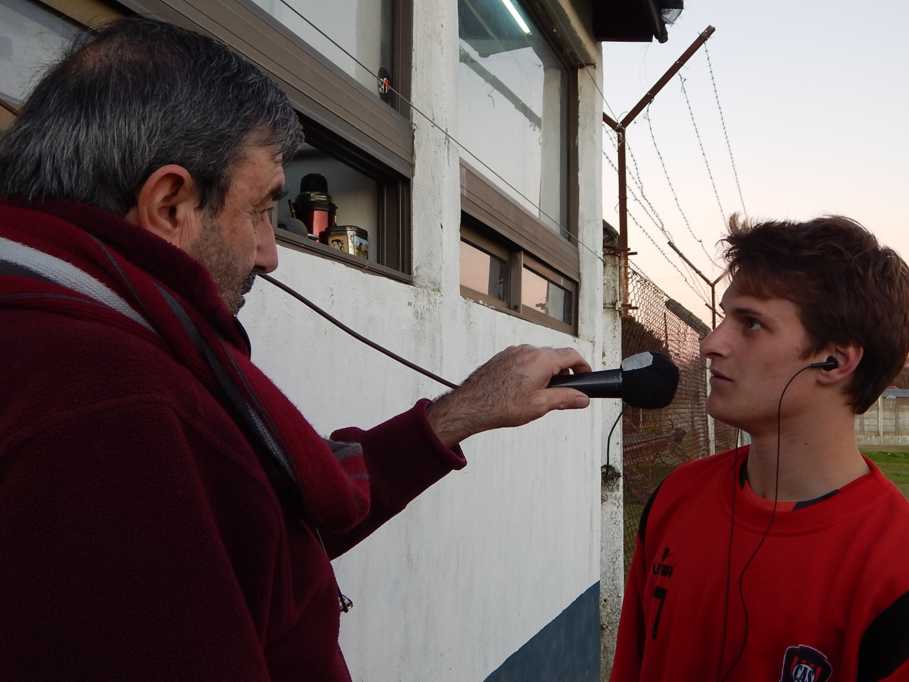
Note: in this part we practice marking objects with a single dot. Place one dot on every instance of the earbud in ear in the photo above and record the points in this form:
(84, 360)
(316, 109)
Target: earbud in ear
(828, 364)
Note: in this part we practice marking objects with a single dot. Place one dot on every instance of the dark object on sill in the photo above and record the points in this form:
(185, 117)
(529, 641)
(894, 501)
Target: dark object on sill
(313, 205)
(349, 239)
(384, 85)
(296, 226)
(634, 20)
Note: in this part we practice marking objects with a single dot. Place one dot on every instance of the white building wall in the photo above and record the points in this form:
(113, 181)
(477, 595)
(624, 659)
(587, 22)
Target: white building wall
(480, 563)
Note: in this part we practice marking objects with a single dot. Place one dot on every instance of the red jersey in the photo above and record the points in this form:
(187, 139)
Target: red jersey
(826, 598)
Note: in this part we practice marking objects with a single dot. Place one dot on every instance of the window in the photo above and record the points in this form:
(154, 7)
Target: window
(483, 273)
(358, 140)
(343, 205)
(363, 27)
(543, 295)
(517, 110)
(32, 37)
(503, 276)
(512, 94)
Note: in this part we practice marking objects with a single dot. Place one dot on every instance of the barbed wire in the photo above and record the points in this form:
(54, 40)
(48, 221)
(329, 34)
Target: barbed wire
(660, 250)
(716, 95)
(650, 238)
(655, 219)
(675, 195)
(640, 184)
(697, 134)
(665, 233)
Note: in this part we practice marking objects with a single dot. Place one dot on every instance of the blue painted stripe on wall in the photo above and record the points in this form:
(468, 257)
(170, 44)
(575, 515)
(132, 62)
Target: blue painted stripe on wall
(568, 648)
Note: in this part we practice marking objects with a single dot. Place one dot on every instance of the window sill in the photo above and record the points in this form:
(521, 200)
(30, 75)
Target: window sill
(307, 245)
(527, 314)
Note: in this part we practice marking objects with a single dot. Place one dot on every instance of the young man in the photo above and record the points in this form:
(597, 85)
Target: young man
(786, 559)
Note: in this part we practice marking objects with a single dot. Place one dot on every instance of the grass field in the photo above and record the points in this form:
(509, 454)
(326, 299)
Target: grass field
(894, 465)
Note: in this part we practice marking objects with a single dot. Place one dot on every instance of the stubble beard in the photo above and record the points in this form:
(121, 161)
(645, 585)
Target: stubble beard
(213, 253)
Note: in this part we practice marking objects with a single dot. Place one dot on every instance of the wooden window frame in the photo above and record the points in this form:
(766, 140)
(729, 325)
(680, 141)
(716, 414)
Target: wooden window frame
(476, 239)
(559, 280)
(394, 258)
(8, 113)
(89, 13)
(517, 259)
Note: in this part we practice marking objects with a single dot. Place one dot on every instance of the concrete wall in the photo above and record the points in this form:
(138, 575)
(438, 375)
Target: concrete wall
(612, 504)
(885, 423)
(463, 584)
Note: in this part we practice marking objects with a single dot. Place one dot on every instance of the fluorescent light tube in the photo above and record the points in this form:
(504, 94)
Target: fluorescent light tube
(517, 17)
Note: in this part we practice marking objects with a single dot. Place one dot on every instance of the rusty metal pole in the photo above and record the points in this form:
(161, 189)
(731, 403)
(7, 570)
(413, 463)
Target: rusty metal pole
(712, 306)
(623, 218)
(620, 127)
(710, 282)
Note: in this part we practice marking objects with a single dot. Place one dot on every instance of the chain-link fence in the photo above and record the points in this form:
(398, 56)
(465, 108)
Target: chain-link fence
(657, 441)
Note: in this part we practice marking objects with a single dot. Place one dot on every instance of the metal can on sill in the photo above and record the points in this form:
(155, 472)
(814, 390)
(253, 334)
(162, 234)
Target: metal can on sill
(348, 239)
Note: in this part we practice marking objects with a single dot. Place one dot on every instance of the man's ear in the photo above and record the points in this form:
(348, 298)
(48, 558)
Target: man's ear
(847, 358)
(168, 206)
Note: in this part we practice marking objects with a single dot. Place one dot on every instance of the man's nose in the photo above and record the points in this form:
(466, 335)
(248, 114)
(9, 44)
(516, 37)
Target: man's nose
(266, 250)
(714, 345)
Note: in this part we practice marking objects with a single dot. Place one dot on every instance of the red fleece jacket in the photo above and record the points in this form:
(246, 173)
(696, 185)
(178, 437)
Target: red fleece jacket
(139, 536)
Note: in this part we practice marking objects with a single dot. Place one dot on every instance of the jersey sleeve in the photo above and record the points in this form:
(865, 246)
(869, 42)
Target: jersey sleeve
(884, 651)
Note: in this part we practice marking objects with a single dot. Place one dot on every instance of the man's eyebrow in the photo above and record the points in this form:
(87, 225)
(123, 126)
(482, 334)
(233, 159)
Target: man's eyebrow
(743, 311)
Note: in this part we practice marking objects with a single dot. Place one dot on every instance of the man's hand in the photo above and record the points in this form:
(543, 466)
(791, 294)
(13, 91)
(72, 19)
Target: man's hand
(509, 390)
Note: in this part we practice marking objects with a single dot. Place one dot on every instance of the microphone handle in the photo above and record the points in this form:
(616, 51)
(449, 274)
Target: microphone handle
(606, 383)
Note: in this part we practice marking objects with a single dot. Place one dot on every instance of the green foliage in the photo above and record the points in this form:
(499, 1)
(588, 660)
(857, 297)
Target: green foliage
(894, 465)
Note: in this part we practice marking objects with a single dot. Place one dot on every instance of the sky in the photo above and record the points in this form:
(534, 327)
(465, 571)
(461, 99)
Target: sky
(815, 101)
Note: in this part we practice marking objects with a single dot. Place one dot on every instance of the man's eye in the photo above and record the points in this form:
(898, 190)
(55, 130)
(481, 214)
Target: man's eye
(752, 324)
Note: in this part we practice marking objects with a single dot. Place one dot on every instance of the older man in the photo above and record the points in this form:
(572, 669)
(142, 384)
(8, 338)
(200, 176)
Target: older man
(165, 512)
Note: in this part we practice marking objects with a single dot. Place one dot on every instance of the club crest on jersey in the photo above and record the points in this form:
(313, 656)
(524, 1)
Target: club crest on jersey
(803, 663)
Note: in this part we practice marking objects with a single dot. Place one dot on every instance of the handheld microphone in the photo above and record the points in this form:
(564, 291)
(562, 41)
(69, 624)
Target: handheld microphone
(646, 380)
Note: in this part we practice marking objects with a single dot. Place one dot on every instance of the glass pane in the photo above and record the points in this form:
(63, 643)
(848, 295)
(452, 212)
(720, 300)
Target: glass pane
(483, 272)
(362, 27)
(324, 196)
(31, 39)
(548, 298)
(511, 105)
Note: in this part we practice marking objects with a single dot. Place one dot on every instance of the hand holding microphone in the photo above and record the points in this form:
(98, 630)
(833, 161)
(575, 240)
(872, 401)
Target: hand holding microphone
(646, 380)
(523, 383)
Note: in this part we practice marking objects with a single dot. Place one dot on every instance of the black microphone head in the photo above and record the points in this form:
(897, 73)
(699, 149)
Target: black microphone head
(649, 380)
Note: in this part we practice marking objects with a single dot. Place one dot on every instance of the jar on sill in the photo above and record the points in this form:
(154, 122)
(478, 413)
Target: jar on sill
(349, 239)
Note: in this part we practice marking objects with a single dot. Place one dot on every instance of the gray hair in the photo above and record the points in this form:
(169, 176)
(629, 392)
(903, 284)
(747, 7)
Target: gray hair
(133, 97)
